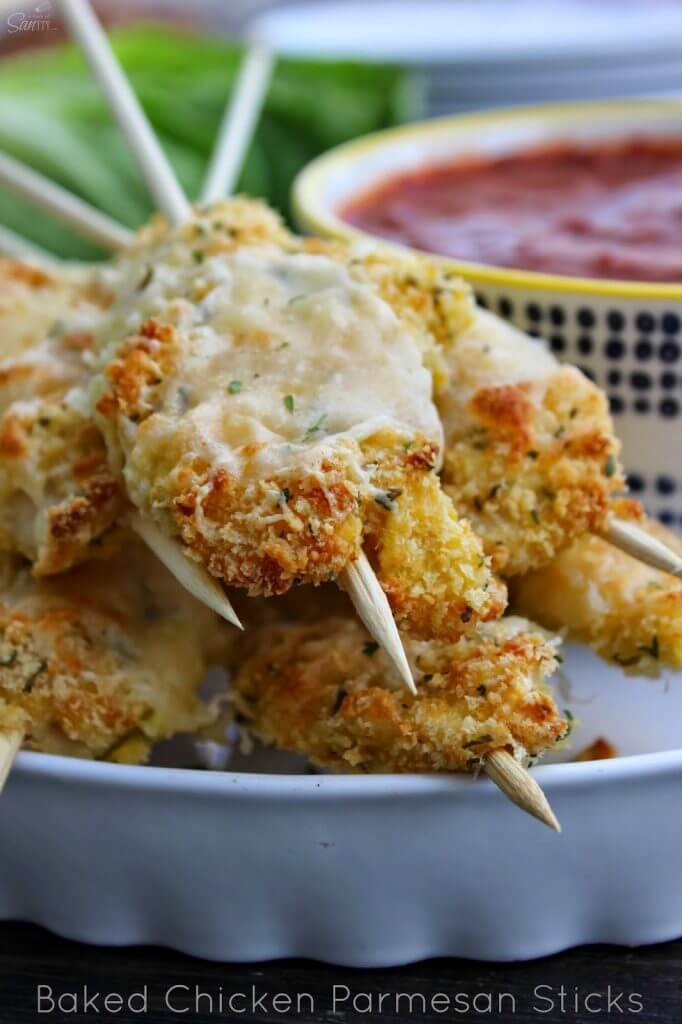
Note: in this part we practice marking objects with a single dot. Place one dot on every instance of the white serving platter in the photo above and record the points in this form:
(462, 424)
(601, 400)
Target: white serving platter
(364, 871)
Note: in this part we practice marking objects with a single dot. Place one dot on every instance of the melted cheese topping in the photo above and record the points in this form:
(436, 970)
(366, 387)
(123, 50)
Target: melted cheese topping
(491, 353)
(278, 349)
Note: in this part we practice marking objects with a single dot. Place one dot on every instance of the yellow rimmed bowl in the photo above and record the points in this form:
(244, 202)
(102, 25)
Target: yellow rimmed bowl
(626, 335)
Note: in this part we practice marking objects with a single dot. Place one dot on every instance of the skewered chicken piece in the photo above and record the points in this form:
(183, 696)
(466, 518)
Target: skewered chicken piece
(58, 497)
(322, 688)
(630, 614)
(266, 400)
(530, 454)
(106, 659)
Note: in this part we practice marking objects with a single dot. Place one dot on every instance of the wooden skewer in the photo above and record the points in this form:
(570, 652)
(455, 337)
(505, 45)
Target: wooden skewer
(635, 541)
(19, 248)
(191, 575)
(362, 586)
(10, 742)
(169, 196)
(238, 124)
(73, 211)
(151, 159)
(519, 785)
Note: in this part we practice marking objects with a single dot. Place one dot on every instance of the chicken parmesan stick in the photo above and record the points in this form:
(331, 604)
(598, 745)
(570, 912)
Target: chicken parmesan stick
(58, 497)
(323, 689)
(267, 401)
(530, 454)
(104, 660)
(629, 613)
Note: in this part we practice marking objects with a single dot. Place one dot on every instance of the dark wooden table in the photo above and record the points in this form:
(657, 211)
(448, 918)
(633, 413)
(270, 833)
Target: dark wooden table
(649, 981)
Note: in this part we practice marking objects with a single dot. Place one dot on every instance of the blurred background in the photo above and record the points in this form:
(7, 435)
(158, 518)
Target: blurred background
(346, 67)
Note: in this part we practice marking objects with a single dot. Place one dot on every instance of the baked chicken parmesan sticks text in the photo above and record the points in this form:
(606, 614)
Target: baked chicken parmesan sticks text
(268, 402)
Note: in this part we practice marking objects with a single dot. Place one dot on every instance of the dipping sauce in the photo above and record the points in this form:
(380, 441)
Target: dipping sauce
(610, 210)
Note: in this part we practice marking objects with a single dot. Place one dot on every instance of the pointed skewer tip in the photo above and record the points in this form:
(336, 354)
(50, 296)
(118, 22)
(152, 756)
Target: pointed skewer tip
(360, 582)
(189, 574)
(520, 787)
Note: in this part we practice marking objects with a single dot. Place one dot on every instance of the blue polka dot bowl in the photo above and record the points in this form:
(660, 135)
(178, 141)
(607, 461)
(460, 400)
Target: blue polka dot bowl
(626, 335)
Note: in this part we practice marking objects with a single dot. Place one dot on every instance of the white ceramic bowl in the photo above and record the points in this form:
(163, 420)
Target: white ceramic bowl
(626, 335)
(363, 871)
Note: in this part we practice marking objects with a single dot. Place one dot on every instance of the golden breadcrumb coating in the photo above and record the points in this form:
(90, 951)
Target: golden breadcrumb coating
(58, 496)
(530, 458)
(267, 400)
(323, 689)
(106, 659)
(430, 562)
(629, 613)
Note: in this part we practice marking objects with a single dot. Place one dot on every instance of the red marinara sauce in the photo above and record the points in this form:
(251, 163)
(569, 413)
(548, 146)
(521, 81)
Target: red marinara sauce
(609, 210)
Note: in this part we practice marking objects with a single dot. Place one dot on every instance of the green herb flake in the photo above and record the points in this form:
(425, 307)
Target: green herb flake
(289, 403)
(610, 466)
(370, 648)
(533, 454)
(284, 496)
(198, 256)
(315, 429)
(234, 387)
(534, 516)
(6, 662)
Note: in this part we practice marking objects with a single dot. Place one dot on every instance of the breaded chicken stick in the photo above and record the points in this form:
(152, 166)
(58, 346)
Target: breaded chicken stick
(323, 689)
(530, 454)
(58, 496)
(267, 401)
(104, 660)
(630, 614)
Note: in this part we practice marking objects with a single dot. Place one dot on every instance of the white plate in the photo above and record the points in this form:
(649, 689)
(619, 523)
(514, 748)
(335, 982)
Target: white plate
(366, 871)
(473, 33)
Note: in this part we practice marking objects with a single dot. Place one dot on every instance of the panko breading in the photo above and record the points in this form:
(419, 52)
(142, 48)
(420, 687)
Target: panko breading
(629, 613)
(58, 496)
(106, 659)
(267, 401)
(324, 690)
(530, 454)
